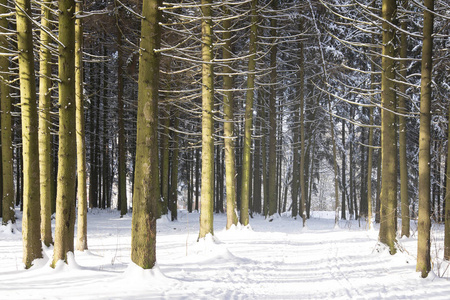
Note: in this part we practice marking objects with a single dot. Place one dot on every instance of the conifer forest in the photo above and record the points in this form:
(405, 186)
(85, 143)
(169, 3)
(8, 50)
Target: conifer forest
(225, 149)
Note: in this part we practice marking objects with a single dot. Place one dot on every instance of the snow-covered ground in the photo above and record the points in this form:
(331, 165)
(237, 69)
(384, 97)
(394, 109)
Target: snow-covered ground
(270, 260)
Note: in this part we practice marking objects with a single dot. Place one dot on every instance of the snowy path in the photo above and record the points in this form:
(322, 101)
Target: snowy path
(274, 260)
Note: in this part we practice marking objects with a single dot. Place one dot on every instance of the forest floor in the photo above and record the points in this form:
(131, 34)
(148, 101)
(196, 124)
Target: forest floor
(270, 260)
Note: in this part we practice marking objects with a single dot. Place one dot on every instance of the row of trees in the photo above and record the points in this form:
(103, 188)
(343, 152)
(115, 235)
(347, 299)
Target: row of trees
(251, 101)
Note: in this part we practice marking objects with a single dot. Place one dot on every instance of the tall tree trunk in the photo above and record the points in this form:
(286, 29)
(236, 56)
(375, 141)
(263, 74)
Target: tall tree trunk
(228, 109)
(256, 204)
(402, 130)
(81, 135)
(45, 85)
(7, 210)
(122, 172)
(272, 186)
(246, 166)
(146, 181)
(388, 137)
(424, 224)
(65, 198)
(207, 192)
(32, 248)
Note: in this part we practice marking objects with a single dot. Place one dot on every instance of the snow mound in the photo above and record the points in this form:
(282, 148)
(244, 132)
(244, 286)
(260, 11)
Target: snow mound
(9, 229)
(138, 276)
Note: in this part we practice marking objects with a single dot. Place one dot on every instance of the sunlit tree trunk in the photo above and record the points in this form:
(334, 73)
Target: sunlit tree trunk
(146, 181)
(388, 137)
(228, 109)
(246, 165)
(6, 133)
(31, 237)
(81, 244)
(207, 192)
(424, 224)
(45, 165)
(65, 198)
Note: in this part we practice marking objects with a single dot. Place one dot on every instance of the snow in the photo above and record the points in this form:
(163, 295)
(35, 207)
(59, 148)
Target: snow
(267, 260)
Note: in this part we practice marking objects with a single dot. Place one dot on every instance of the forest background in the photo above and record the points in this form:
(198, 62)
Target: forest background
(243, 107)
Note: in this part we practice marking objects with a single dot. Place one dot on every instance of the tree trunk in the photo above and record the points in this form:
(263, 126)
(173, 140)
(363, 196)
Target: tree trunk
(146, 181)
(424, 224)
(447, 198)
(32, 248)
(388, 137)
(173, 195)
(228, 109)
(246, 165)
(122, 172)
(165, 160)
(7, 210)
(65, 199)
(272, 179)
(343, 215)
(80, 135)
(197, 178)
(207, 192)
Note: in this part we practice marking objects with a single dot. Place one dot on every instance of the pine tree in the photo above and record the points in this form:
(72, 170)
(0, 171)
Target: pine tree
(80, 136)
(146, 179)
(7, 200)
(246, 155)
(32, 248)
(388, 137)
(207, 188)
(424, 224)
(65, 197)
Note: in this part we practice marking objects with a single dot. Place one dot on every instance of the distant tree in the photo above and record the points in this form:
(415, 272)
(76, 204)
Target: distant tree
(7, 200)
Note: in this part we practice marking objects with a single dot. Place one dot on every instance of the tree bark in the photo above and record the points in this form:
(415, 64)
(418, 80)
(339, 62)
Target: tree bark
(388, 137)
(402, 131)
(228, 109)
(207, 192)
(81, 244)
(32, 248)
(65, 198)
(272, 161)
(146, 181)
(424, 223)
(7, 200)
(246, 155)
